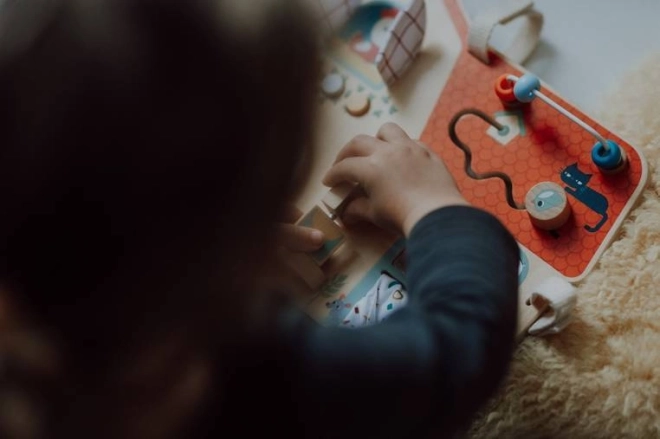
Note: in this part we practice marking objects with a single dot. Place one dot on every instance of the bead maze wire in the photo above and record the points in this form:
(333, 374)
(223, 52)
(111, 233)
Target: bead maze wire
(566, 113)
(468, 154)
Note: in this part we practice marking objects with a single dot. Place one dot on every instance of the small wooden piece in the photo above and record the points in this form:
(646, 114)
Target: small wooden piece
(358, 105)
(307, 269)
(547, 206)
(334, 235)
(333, 85)
(336, 198)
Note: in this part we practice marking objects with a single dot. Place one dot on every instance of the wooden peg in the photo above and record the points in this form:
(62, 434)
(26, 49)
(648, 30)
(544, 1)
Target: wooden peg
(547, 206)
(337, 197)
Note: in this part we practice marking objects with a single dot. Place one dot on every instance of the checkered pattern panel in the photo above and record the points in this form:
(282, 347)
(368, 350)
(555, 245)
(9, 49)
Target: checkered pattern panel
(404, 43)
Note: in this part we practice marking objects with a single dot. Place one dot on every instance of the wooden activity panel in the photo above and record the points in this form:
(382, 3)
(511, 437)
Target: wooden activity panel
(561, 182)
(369, 51)
(495, 168)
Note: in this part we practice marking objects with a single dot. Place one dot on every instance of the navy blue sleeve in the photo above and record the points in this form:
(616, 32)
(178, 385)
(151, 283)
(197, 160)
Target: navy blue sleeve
(432, 364)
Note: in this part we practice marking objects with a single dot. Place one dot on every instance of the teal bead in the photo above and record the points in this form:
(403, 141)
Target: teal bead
(524, 87)
(606, 158)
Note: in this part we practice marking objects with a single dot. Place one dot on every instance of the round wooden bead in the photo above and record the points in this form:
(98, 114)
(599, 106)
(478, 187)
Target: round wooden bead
(525, 87)
(358, 105)
(547, 206)
(504, 89)
(622, 165)
(333, 85)
(609, 160)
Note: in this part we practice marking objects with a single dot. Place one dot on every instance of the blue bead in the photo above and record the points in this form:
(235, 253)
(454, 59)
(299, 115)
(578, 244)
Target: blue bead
(524, 87)
(606, 158)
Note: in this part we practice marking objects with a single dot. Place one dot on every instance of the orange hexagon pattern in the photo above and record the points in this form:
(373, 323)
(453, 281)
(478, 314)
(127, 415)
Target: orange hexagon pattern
(547, 144)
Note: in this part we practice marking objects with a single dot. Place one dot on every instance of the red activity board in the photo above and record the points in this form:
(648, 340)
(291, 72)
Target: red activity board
(539, 144)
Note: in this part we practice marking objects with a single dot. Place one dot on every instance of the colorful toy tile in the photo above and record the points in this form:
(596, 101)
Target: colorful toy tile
(334, 236)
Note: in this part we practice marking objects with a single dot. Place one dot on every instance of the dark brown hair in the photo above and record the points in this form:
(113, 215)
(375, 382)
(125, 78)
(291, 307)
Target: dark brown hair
(145, 148)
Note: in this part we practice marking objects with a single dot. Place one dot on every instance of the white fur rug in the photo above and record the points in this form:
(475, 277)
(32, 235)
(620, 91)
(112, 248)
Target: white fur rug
(600, 378)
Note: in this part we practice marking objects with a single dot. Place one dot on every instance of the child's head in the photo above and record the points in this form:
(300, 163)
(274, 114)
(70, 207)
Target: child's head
(145, 148)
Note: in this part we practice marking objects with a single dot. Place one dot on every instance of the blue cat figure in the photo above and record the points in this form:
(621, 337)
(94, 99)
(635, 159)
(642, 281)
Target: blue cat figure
(577, 182)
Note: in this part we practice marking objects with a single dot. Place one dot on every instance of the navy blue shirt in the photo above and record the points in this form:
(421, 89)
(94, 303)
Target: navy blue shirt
(424, 371)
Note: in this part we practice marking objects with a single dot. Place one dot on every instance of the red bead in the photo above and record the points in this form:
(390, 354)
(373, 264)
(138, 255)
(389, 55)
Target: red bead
(504, 90)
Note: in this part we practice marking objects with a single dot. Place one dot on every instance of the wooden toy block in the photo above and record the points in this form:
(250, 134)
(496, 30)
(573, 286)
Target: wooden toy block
(358, 105)
(334, 235)
(343, 257)
(307, 269)
(337, 197)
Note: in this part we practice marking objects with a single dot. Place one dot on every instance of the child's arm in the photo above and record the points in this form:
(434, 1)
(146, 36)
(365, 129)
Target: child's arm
(430, 364)
(435, 361)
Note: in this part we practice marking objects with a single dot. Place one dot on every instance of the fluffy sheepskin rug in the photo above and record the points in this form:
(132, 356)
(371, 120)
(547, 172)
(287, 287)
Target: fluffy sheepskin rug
(600, 378)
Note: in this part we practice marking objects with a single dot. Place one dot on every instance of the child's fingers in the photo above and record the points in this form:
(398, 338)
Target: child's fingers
(300, 239)
(426, 149)
(391, 132)
(351, 170)
(356, 210)
(359, 146)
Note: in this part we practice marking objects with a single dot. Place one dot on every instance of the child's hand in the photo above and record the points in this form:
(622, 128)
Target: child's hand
(297, 238)
(401, 179)
(277, 274)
